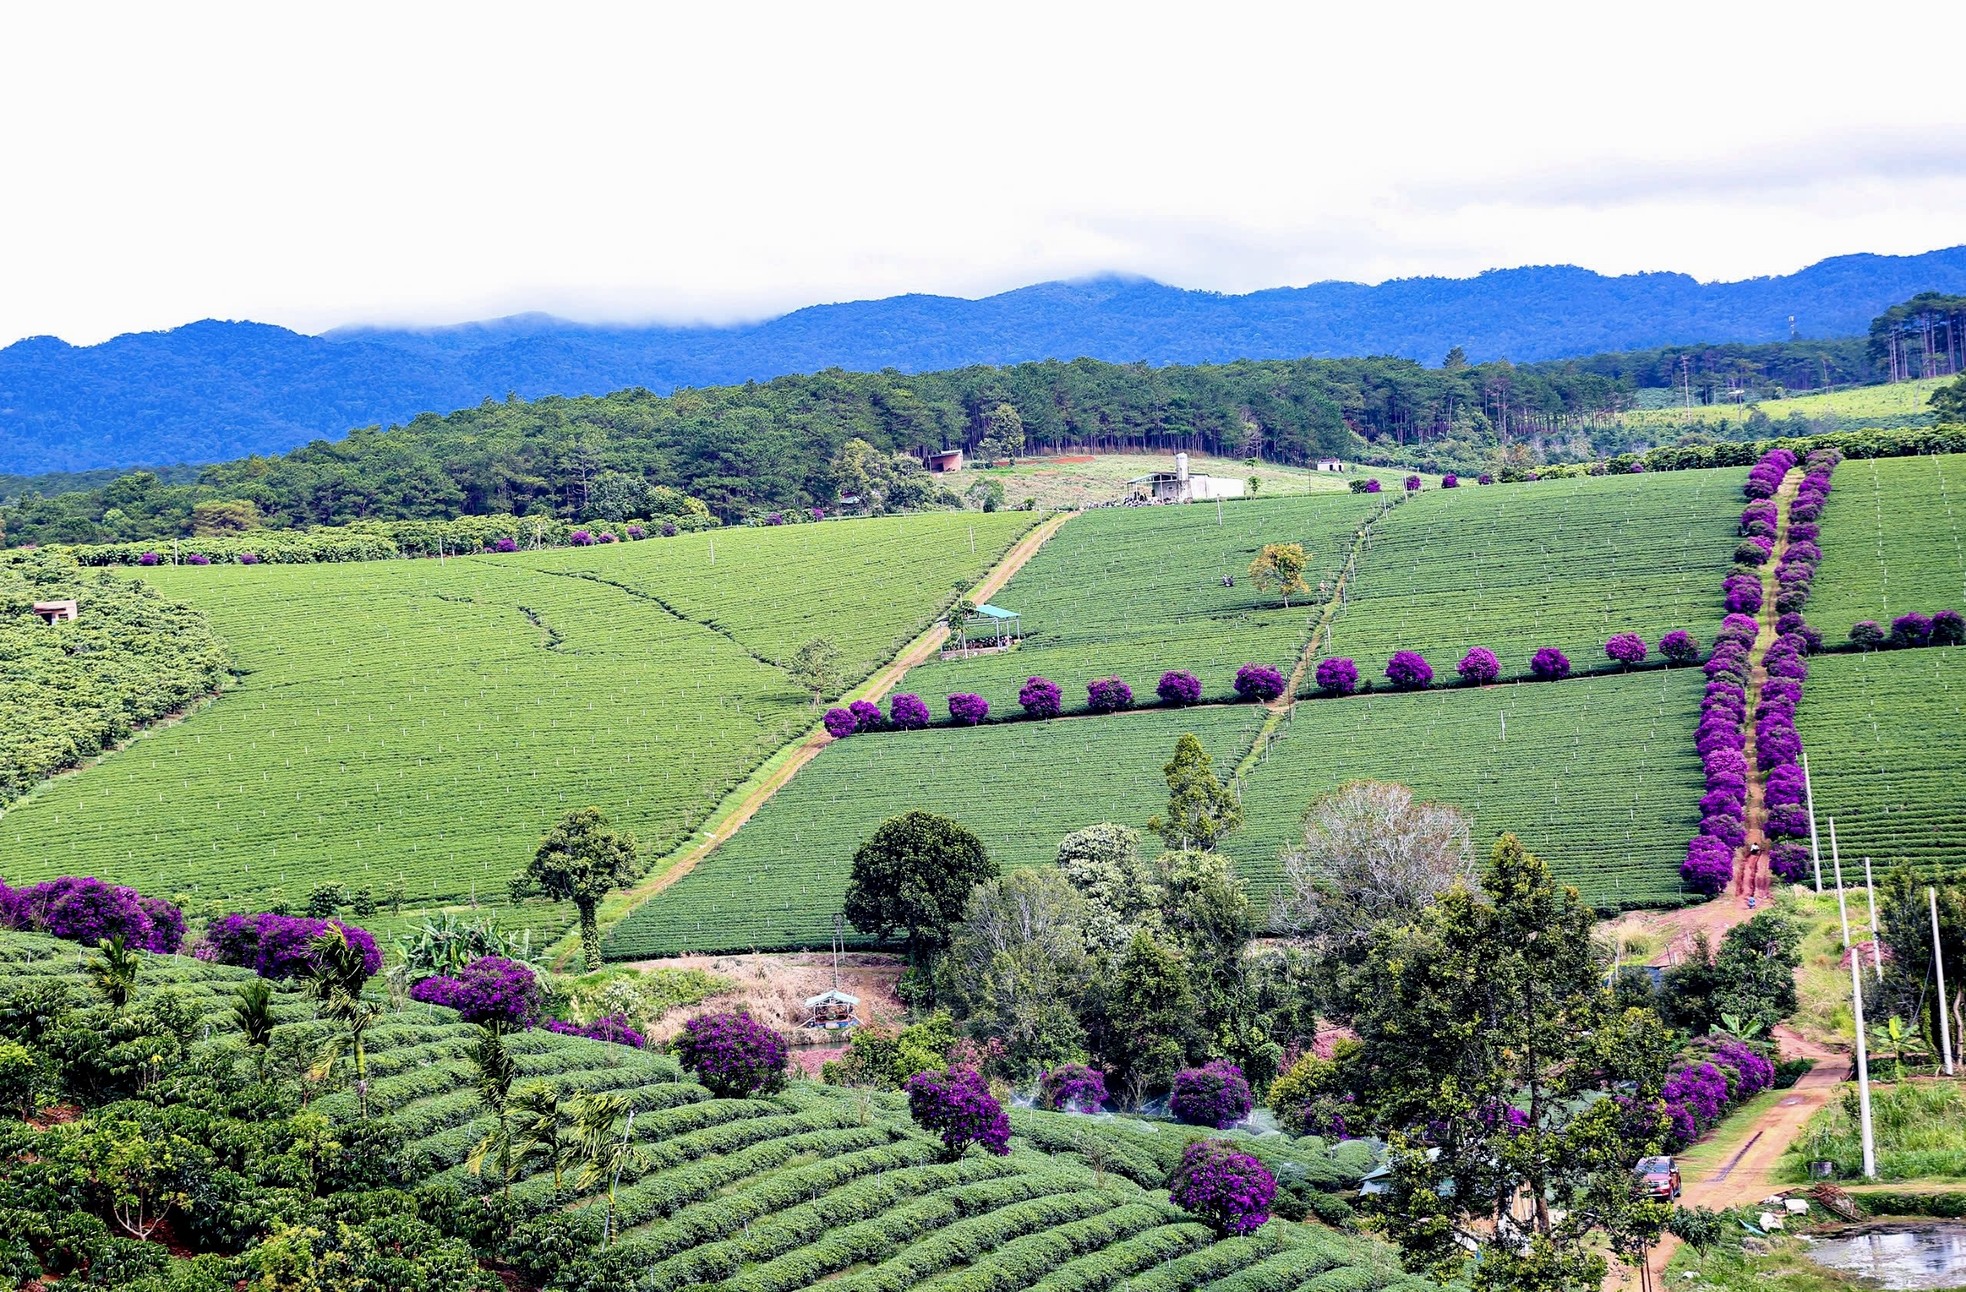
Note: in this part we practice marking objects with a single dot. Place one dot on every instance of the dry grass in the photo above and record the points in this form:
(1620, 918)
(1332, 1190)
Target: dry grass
(774, 987)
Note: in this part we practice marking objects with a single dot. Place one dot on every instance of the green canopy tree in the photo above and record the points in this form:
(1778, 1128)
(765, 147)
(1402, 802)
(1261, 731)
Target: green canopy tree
(914, 876)
(1143, 1018)
(815, 666)
(1200, 809)
(580, 860)
(1017, 969)
(1280, 566)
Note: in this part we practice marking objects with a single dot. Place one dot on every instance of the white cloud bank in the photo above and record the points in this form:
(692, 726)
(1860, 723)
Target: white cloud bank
(411, 162)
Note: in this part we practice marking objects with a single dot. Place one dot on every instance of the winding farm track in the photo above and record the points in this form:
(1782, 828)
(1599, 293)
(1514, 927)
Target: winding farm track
(744, 805)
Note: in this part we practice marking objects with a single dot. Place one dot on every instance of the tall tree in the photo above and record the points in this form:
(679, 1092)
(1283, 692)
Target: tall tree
(1017, 968)
(815, 666)
(1200, 809)
(580, 860)
(1103, 863)
(1143, 1023)
(1280, 566)
(914, 876)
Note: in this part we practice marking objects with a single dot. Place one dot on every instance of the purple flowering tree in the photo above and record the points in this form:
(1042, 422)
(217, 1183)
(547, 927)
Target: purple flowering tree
(1484, 479)
(1550, 665)
(1372, 486)
(1948, 628)
(1107, 695)
(506, 544)
(1679, 647)
(197, 558)
(1072, 1088)
(1479, 666)
(86, 910)
(907, 712)
(1911, 629)
(1229, 1190)
(733, 1055)
(1407, 671)
(278, 946)
(1626, 648)
(612, 1028)
(1709, 865)
(148, 558)
(635, 534)
(967, 710)
(491, 991)
(1041, 697)
(580, 538)
(957, 1105)
(1259, 682)
(1178, 687)
(1215, 1095)
(840, 724)
(1450, 481)
(866, 715)
(1412, 484)
(1336, 676)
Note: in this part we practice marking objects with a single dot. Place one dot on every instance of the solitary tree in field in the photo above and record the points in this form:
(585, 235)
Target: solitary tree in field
(1200, 809)
(580, 860)
(815, 666)
(1281, 566)
(914, 876)
(1003, 433)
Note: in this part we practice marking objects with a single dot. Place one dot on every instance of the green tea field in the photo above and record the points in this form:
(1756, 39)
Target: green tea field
(1893, 540)
(425, 721)
(776, 1193)
(1562, 563)
(1077, 480)
(1901, 403)
(1886, 737)
(1021, 787)
(1138, 591)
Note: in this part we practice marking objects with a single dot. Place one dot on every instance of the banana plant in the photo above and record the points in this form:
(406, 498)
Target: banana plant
(1733, 1025)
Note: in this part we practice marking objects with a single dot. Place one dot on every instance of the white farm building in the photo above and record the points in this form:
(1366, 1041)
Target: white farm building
(1181, 485)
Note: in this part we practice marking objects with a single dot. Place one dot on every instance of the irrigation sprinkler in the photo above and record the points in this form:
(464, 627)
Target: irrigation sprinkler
(1945, 1022)
(1842, 908)
(1815, 851)
(1876, 944)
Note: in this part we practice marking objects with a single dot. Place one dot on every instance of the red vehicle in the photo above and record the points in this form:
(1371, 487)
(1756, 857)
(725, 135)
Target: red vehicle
(1658, 1178)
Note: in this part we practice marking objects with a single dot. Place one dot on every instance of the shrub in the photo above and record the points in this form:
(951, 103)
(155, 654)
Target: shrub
(1752, 551)
(1407, 671)
(1450, 481)
(613, 1028)
(197, 558)
(148, 558)
(1743, 593)
(967, 709)
(88, 911)
(733, 1055)
(581, 538)
(840, 724)
(248, 558)
(1259, 682)
(636, 533)
(1412, 484)
(1372, 486)
(1230, 1191)
(1177, 688)
(866, 715)
(1072, 1088)
(1866, 635)
(1911, 630)
(1709, 865)
(1550, 664)
(668, 529)
(957, 1105)
(1107, 695)
(1215, 1094)
(1484, 478)
(1337, 676)
(907, 712)
(278, 946)
(1041, 697)
(491, 990)
(506, 544)
(1626, 648)
(1679, 647)
(1479, 666)
(1948, 628)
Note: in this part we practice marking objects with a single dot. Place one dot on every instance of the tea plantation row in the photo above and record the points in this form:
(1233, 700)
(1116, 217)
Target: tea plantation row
(1893, 540)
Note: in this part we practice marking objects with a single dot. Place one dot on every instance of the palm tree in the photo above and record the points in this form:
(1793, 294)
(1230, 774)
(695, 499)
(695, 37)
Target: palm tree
(252, 1010)
(545, 1129)
(340, 970)
(115, 973)
(495, 1071)
(603, 1152)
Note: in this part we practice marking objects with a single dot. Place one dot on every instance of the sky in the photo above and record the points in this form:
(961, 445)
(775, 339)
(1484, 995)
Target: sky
(316, 166)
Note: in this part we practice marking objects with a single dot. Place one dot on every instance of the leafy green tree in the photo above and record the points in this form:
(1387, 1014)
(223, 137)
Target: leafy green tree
(115, 971)
(1017, 968)
(884, 1059)
(1143, 1018)
(1909, 988)
(218, 517)
(581, 860)
(1751, 977)
(1948, 403)
(815, 666)
(914, 876)
(20, 1078)
(1204, 913)
(1200, 809)
(1003, 433)
(326, 900)
(1103, 863)
(1280, 566)
(141, 1170)
(1486, 1040)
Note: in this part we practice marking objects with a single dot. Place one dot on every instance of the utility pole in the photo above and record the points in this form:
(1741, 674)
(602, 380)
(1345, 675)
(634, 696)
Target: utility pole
(1842, 907)
(1876, 944)
(1815, 851)
(1945, 1021)
(1863, 1072)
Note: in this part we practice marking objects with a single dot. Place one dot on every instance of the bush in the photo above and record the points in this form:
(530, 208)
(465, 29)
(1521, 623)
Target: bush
(1107, 695)
(1177, 688)
(1228, 1190)
(88, 911)
(1041, 697)
(1911, 630)
(1407, 671)
(1709, 865)
(1371, 486)
(1479, 666)
(1866, 635)
(733, 1055)
(491, 990)
(1550, 665)
(907, 712)
(1259, 682)
(957, 1105)
(1450, 481)
(967, 710)
(1072, 1088)
(866, 715)
(1679, 647)
(278, 946)
(1625, 648)
(1215, 1095)
(1412, 484)
(1337, 676)
(840, 724)
(613, 1028)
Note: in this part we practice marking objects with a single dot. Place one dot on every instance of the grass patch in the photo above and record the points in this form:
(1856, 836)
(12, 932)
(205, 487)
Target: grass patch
(1920, 1127)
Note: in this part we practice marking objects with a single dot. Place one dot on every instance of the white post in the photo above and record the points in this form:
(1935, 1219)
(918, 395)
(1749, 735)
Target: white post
(1876, 945)
(1863, 1072)
(1945, 1010)
(1842, 907)
(1815, 850)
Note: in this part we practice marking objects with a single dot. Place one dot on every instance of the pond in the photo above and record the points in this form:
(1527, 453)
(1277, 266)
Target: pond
(1912, 1257)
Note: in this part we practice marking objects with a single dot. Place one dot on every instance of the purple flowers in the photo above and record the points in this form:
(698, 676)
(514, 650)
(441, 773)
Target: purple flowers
(967, 710)
(1479, 666)
(1338, 676)
(840, 724)
(278, 946)
(1695, 1097)
(505, 543)
(1372, 486)
(148, 558)
(88, 911)
(1407, 671)
(635, 535)
(1107, 695)
(907, 712)
(197, 558)
(1259, 682)
(1626, 648)
(1072, 1088)
(607, 537)
(1743, 593)
(1709, 865)
(248, 558)
(957, 1105)
(1230, 1191)
(668, 529)
(1412, 484)
(866, 715)
(1679, 647)
(1765, 477)
(1550, 665)
(1177, 688)
(1450, 481)
(1215, 1094)
(1484, 478)
(490, 990)
(581, 538)
(1911, 629)
(733, 1055)
(1041, 697)
(612, 1028)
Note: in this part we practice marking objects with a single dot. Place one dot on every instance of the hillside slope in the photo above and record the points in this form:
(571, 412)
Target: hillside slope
(212, 390)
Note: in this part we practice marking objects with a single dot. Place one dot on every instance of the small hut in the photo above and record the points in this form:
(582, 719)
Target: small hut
(986, 630)
(832, 1011)
(55, 612)
(945, 460)
(1330, 464)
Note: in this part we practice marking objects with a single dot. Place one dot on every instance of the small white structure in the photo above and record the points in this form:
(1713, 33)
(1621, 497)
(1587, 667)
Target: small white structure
(832, 1011)
(55, 612)
(947, 460)
(1330, 464)
(1180, 485)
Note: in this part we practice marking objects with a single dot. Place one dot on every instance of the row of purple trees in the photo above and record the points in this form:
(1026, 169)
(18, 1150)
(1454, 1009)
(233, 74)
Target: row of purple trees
(86, 910)
(1409, 670)
(1042, 698)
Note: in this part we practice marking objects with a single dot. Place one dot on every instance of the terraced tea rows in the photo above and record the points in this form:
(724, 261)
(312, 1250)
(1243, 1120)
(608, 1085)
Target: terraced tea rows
(1562, 563)
(1597, 775)
(819, 1183)
(1021, 787)
(1893, 540)
(1886, 737)
(1137, 591)
(425, 721)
